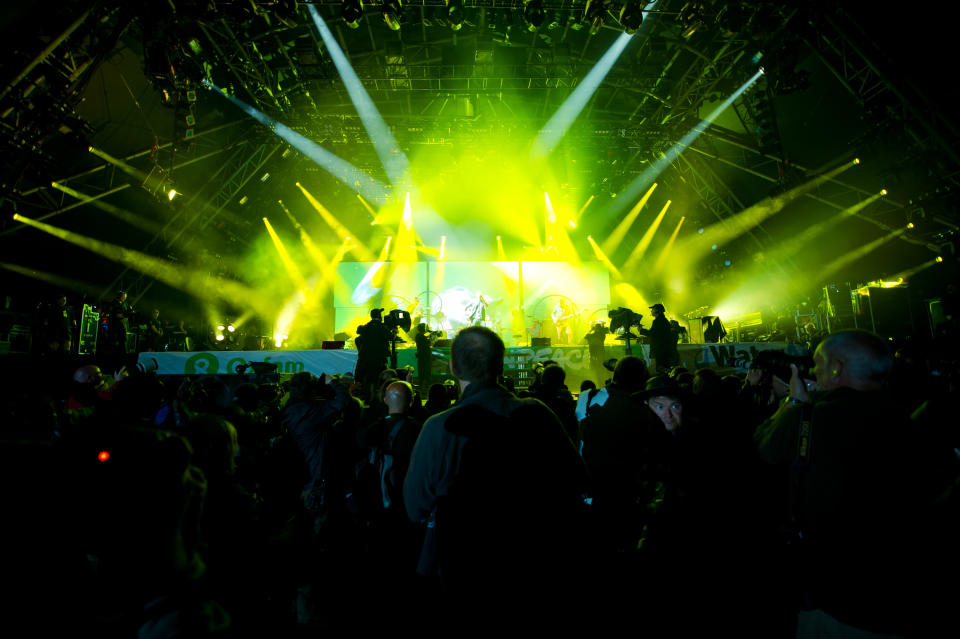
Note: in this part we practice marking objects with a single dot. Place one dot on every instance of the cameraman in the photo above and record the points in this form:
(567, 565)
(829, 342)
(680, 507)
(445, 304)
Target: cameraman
(663, 341)
(373, 348)
(768, 382)
(424, 340)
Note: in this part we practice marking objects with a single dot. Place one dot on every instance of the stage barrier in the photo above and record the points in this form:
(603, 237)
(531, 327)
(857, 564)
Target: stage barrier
(519, 361)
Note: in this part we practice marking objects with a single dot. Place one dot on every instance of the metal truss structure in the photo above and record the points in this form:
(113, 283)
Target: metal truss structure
(434, 84)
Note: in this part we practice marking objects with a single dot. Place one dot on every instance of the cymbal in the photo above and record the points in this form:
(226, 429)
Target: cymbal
(627, 336)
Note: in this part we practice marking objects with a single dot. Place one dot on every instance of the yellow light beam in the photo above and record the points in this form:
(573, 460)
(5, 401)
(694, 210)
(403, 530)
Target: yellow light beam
(791, 247)
(315, 253)
(584, 207)
(443, 248)
(288, 264)
(613, 240)
(641, 248)
(342, 231)
(367, 205)
(198, 283)
(551, 215)
(853, 256)
(52, 278)
(910, 272)
(501, 254)
(385, 251)
(665, 253)
(747, 219)
(407, 217)
(124, 215)
(120, 164)
(602, 256)
(557, 238)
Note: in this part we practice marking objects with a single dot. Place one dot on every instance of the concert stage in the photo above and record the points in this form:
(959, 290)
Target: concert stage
(735, 357)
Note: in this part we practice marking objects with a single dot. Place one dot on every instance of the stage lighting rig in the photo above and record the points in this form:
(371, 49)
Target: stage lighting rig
(631, 15)
(594, 14)
(351, 11)
(691, 18)
(455, 14)
(534, 14)
(392, 14)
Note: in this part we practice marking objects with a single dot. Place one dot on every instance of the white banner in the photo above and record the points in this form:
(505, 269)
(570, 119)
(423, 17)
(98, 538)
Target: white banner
(574, 359)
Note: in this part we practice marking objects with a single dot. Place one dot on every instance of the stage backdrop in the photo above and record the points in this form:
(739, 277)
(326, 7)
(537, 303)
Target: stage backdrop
(515, 299)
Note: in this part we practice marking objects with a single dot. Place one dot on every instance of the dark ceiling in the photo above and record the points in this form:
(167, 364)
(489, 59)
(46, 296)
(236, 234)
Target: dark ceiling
(840, 82)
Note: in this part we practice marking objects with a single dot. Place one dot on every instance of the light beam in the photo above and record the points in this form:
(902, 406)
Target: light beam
(558, 125)
(353, 177)
(645, 179)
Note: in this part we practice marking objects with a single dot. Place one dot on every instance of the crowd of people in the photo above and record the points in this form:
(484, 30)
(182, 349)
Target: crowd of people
(813, 497)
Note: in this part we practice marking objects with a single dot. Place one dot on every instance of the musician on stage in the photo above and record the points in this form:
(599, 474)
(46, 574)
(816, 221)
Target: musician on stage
(478, 314)
(119, 323)
(561, 315)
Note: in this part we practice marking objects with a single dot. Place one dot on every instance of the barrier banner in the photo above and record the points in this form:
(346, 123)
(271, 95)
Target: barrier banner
(574, 359)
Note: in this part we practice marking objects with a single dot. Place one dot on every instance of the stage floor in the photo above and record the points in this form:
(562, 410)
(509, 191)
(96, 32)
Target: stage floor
(575, 360)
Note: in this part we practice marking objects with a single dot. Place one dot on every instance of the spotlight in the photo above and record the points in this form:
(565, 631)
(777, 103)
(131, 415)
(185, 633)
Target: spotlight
(533, 13)
(691, 17)
(455, 13)
(219, 337)
(392, 14)
(883, 191)
(939, 259)
(594, 13)
(910, 225)
(231, 328)
(631, 15)
(351, 11)
(856, 160)
(172, 193)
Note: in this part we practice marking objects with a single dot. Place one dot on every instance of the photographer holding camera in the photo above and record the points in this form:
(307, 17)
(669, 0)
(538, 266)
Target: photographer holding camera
(856, 500)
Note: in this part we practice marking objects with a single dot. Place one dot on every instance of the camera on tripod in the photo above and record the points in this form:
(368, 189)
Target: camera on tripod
(623, 318)
(397, 319)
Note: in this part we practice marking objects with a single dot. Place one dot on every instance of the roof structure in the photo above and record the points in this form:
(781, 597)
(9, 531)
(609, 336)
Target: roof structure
(128, 80)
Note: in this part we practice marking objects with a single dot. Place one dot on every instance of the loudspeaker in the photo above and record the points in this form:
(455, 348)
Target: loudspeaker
(331, 345)
(540, 341)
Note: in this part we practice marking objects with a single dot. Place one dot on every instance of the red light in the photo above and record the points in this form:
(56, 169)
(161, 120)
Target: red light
(103, 456)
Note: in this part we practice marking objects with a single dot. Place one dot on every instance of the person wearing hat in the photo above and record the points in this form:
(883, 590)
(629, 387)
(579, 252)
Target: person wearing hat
(665, 398)
(663, 341)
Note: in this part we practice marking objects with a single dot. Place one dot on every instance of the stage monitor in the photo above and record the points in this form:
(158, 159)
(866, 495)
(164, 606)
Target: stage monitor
(332, 345)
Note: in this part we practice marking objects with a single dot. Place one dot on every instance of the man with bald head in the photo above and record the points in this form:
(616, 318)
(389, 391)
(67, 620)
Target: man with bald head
(390, 441)
(499, 485)
(849, 451)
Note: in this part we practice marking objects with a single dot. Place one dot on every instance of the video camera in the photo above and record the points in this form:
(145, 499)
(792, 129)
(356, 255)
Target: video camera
(778, 363)
(623, 318)
(397, 319)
